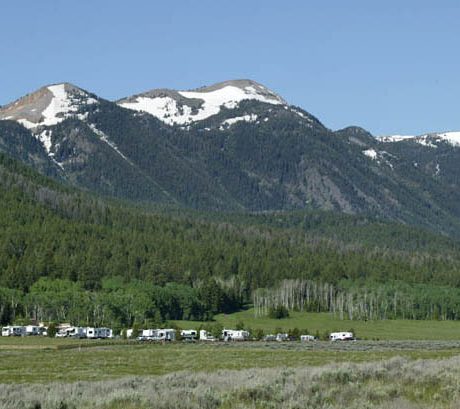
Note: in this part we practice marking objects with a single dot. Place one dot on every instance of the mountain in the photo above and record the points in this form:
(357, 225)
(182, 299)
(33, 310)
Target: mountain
(185, 107)
(233, 146)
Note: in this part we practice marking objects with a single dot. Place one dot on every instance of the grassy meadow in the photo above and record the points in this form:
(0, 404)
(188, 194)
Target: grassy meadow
(396, 364)
(392, 383)
(325, 322)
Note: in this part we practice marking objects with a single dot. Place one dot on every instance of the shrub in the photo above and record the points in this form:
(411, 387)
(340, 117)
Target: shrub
(278, 312)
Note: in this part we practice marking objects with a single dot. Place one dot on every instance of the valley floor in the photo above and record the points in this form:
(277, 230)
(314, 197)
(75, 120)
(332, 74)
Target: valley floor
(396, 364)
(322, 323)
(243, 376)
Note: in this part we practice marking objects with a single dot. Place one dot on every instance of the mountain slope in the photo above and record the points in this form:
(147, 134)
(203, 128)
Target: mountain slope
(233, 146)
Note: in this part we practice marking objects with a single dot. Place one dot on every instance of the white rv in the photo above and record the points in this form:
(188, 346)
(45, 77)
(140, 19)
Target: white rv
(71, 332)
(282, 337)
(235, 335)
(166, 335)
(157, 335)
(13, 331)
(32, 330)
(269, 338)
(189, 334)
(98, 333)
(341, 336)
(206, 336)
(307, 338)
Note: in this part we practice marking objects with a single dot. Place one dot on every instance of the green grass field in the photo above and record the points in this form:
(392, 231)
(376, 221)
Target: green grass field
(45, 360)
(324, 322)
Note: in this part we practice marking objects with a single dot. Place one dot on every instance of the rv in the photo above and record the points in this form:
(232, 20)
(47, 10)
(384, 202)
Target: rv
(189, 334)
(157, 335)
(235, 335)
(71, 332)
(282, 337)
(13, 331)
(206, 336)
(147, 334)
(76, 332)
(307, 338)
(269, 338)
(32, 330)
(341, 336)
(98, 333)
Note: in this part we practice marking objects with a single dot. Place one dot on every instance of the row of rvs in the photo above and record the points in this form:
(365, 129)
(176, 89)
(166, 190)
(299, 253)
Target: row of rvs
(64, 331)
(22, 331)
(67, 331)
(85, 332)
(226, 335)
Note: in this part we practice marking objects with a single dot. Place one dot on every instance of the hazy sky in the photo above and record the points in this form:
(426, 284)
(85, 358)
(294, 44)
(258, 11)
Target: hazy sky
(388, 66)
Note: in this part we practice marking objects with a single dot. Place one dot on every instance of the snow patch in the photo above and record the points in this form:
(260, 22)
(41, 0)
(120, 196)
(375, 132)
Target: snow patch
(27, 124)
(380, 156)
(395, 138)
(164, 108)
(45, 138)
(453, 138)
(438, 169)
(104, 137)
(371, 153)
(245, 118)
(167, 109)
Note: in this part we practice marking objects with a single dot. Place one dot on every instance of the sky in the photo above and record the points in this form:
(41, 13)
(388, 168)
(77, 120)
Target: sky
(391, 67)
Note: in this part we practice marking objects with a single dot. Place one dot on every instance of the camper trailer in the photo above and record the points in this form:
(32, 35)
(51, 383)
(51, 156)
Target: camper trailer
(157, 335)
(147, 334)
(32, 330)
(189, 334)
(307, 338)
(269, 338)
(341, 336)
(71, 332)
(206, 336)
(282, 337)
(13, 331)
(235, 335)
(98, 333)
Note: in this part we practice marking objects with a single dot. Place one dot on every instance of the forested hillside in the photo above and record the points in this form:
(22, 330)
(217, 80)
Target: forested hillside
(65, 254)
(235, 146)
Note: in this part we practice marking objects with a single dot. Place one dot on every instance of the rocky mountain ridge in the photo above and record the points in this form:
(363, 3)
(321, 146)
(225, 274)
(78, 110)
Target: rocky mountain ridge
(232, 146)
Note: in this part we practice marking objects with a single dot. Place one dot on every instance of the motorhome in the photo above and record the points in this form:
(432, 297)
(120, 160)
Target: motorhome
(13, 331)
(189, 334)
(235, 335)
(341, 336)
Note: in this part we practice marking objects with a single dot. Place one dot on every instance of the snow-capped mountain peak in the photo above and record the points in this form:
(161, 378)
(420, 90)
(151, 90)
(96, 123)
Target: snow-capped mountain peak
(48, 106)
(185, 107)
(429, 139)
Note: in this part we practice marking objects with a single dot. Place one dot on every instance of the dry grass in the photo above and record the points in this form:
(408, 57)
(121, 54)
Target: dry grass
(393, 383)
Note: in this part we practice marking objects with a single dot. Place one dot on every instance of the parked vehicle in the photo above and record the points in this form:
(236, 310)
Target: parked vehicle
(189, 334)
(282, 337)
(206, 336)
(269, 338)
(98, 333)
(235, 335)
(158, 335)
(341, 336)
(13, 331)
(307, 338)
(32, 330)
